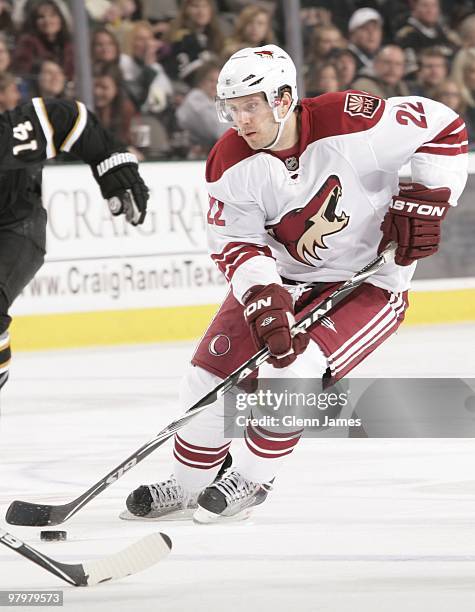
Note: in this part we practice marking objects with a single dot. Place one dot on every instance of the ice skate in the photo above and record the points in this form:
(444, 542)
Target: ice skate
(232, 497)
(165, 500)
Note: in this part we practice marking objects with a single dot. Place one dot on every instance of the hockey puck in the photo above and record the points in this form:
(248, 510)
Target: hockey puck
(53, 536)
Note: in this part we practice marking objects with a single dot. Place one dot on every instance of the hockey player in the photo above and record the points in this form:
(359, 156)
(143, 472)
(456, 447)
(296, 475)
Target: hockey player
(29, 135)
(301, 196)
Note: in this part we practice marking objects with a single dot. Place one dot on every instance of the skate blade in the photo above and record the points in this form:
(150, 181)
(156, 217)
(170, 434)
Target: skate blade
(202, 516)
(176, 515)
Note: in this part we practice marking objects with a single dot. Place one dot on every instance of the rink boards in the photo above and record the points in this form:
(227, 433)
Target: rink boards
(105, 282)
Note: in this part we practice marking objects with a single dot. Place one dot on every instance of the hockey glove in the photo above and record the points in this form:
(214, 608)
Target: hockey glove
(123, 187)
(269, 312)
(413, 221)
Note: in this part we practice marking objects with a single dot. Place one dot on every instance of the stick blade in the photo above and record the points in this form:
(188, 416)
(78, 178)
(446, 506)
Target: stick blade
(135, 558)
(29, 515)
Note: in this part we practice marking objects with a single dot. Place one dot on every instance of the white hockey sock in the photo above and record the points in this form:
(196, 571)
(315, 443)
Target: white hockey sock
(201, 445)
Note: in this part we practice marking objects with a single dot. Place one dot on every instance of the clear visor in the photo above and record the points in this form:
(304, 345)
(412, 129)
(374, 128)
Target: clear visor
(224, 114)
(230, 109)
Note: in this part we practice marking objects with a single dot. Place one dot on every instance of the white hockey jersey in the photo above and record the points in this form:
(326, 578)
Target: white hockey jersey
(316, 215)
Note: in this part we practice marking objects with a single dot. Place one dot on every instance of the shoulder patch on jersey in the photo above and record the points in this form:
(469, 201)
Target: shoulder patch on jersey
(340, 113)
(227, 152)
(361, 104)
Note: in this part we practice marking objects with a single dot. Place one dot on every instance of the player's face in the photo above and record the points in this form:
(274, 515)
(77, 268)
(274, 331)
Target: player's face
(253, 117)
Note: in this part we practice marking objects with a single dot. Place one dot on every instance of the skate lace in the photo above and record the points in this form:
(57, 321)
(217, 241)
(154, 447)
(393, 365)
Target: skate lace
(235, 487)
(166, 494)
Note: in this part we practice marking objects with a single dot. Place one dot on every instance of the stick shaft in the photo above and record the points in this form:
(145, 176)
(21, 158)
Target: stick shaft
(54, 515)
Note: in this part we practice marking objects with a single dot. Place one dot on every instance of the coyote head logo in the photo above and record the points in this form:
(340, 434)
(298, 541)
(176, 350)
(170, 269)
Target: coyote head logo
(269, 54)
(303, 230)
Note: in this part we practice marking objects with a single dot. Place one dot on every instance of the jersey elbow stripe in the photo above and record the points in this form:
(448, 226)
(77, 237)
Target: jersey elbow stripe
(48, 131)
(441, 150)
(235, 254)
(77, 129)
(452, 140)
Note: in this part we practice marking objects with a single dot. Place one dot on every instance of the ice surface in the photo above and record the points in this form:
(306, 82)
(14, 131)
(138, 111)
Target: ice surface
(361, 525)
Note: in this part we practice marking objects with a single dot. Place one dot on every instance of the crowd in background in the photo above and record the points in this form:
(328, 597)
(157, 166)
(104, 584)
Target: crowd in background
(156, 62)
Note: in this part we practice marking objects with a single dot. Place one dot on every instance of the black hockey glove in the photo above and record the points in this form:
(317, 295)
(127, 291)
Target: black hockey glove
(123, 187)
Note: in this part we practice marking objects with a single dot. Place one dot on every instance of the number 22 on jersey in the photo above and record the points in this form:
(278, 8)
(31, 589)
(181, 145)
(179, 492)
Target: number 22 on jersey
(413, 112)
(215, 212)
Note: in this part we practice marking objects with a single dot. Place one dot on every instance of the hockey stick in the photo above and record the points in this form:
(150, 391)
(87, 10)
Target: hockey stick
(135, 558)
(27, 513)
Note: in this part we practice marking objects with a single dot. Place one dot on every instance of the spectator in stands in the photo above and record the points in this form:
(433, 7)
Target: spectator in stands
(312, 17)
(46, 36)
(463, 73)
(467, 36)
(466, 31)
(7, 27)
(386, 78)
(345, 64)
(197, 114)
(323, 78)
(146, 81)
(365, 32)
(6, 66)
(155, 11)
(113, 12)
(195, 37)
(433, 69)
(50, 81)
(423, 29)
(5, 57)
(113, 108)
(324, 40)
(159, 15)
(449, 93)
(105, 47)
(9, 93)
(253, 28)
(22, 8)
(129, 12)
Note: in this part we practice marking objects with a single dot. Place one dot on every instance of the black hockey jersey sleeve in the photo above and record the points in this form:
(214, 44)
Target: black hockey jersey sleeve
(41, 129)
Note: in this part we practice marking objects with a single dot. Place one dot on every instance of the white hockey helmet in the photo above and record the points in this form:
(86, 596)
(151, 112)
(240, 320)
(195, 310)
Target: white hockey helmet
(266, 70)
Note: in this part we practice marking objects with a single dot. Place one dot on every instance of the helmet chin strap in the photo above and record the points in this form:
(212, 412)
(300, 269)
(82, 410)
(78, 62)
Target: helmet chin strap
(280, 129)
(281, 122)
